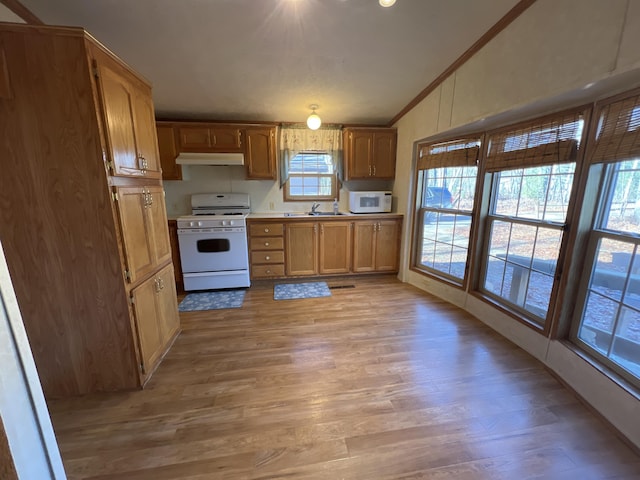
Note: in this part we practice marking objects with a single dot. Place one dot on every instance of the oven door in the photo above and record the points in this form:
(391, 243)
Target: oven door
(213, 249)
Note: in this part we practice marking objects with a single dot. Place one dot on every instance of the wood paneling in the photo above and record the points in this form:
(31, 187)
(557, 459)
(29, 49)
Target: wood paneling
(380, 381)
(499, 26)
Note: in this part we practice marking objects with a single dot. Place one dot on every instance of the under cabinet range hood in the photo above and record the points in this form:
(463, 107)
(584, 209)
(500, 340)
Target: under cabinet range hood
(210, 159)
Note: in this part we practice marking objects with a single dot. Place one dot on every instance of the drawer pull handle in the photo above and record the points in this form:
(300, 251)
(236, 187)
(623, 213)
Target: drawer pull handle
(267, 257)
(266, 230)
(266, 244)
(268, 271)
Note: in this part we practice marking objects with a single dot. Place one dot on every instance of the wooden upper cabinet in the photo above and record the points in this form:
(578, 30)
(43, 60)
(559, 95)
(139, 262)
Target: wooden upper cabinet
(384, 154)
(129, 122)
(260, 153)
(145, 132)
(210, 138)
(370, 153)
(168, 151)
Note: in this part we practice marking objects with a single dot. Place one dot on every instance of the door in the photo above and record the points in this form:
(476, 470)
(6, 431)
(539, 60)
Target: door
(301, 248)
(360, 154)
(260, 153)
(226, 138)
(364, 246)
(145, 133)
(168, 152)
(384, 155)
(157, 224)
(118, 105)
(149, 336)
(335, 247)
(386, 253)
(213, 249)
(138, 242)
(168, 319)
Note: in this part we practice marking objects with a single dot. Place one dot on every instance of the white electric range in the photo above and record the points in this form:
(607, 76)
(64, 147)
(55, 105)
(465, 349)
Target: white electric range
(213, 242)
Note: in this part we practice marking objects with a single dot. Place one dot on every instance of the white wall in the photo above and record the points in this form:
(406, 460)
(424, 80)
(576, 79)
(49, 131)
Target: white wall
(266, 195)
(557, 53)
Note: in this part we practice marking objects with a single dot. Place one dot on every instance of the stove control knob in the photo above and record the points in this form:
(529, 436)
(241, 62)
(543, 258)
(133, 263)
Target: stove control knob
(230, 222)
(192, 224)
(199, 224)
(224, 223)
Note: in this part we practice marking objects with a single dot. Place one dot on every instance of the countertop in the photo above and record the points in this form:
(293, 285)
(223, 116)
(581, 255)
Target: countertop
(301, 215)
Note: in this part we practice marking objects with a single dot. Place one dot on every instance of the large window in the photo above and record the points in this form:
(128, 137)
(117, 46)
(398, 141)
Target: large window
(608, 317)
(311, 177)
(532, 180)
(447, 176)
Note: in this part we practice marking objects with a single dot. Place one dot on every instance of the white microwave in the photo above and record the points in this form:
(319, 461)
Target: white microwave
(369, 202)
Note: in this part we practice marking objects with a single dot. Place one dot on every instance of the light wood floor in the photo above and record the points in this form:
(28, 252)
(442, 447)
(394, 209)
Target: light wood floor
(380, 381)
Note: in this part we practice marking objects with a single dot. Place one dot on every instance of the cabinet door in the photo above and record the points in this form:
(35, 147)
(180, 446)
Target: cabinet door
(168, 152)
(226, 138)
(175, 252)
(364, 236)
(359, 155)
(118, 105)
(138, 243)
(260, 153)
(145, 133)
(301, 248)
(167, 306)
(157, 227)
(384, 155)
(386, 253)
(194, 139)
(335, 247)
(145, 307)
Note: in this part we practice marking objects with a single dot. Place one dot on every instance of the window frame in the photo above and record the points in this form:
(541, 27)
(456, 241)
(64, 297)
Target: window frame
(335, 190)
(596, 235)
(444, 158)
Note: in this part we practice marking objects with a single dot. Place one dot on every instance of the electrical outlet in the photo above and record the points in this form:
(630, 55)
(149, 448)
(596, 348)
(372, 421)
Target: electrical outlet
(272, 206)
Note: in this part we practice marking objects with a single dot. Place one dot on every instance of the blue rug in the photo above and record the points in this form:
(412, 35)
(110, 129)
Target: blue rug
(212, 300)
(290, 291)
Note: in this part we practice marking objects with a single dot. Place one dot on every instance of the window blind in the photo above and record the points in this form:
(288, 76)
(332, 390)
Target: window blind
(462, 152)
(540, 142)
(617, 134)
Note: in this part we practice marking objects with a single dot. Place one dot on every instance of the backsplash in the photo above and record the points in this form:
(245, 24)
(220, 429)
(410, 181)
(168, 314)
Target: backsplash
(266, 195)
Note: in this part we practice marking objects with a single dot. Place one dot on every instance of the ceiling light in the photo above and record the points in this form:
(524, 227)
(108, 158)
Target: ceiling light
(387, 3)
(314, 121)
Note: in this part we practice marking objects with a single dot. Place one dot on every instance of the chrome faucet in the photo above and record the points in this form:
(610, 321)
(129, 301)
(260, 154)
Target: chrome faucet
(314, 207)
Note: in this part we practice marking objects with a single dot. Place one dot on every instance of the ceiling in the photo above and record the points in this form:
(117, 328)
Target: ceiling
(268, 60)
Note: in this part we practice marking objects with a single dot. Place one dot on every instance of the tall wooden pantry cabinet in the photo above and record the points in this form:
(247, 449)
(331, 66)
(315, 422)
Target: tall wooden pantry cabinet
(82, 212)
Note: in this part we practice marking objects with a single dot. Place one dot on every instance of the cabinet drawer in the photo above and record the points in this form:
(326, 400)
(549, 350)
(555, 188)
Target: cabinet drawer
(265, 229)
(267, 243)
(276, 256)
(266, 271)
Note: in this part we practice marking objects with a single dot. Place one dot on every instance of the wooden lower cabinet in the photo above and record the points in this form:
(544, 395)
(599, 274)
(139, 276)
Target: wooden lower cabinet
(266, 250)
(301, 248)
(340, 246)
(376, 246)
(156, 317)
(335, 248)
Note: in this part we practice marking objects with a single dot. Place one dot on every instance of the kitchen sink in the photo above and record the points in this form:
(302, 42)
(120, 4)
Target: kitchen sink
(314, 214)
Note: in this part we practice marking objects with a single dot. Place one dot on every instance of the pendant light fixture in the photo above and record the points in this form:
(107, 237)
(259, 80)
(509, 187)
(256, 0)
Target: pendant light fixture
(386, 3)
(313, 120)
